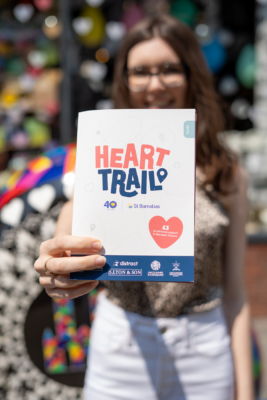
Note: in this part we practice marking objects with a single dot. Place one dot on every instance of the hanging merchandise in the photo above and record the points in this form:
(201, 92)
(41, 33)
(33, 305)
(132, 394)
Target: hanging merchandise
(8, 99)
(156, 6)
(246, 66)
(132, 14)
(52, 28)
(43, 5)
(51, 54)
(82, 26)
(185, 10)
(93, 70)
(240, 108)
(15, 66)
(39, 133)
(90, 26)
(20, 140)
(215, 55)
(115, 30)
(226, 37)
(23, 12)
(102, 55)
(26, 83)
(228, 86)
(95, 3)
(37, 59)
(203, 33)
(51, 21)
(45, 94)
(6, 49)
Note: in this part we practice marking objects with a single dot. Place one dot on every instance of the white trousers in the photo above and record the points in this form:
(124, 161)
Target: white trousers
(133, 357)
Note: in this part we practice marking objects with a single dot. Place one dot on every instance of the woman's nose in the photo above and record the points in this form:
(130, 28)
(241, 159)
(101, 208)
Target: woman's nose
(155, 84)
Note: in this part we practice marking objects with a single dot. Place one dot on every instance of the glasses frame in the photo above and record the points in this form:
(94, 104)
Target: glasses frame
(150, 74)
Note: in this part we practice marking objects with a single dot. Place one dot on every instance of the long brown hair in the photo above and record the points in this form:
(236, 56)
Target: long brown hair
(217, 162)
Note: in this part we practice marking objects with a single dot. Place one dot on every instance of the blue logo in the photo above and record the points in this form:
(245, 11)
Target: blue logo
(189, 129)
(176, 266)
(110, 204)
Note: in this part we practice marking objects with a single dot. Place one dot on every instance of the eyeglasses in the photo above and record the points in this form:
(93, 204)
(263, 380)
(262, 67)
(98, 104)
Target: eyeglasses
(170, 75)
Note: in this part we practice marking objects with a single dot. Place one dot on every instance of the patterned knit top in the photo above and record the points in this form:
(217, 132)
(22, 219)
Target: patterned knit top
(170, 299)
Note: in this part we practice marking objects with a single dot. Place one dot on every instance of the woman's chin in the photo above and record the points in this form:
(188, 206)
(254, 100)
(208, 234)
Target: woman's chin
(163, 107)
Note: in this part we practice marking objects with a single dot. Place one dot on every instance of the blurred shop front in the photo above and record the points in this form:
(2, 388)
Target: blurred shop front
(57, 59)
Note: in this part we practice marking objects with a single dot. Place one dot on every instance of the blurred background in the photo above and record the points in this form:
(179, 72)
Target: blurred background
(56, 59)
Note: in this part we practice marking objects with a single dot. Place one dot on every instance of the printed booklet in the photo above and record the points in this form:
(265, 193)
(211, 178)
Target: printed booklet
(135, 191)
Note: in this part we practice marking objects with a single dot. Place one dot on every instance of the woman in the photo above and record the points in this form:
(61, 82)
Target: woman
(169, 340)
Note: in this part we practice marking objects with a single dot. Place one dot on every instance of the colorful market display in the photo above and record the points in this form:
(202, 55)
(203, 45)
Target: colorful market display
(49, 166)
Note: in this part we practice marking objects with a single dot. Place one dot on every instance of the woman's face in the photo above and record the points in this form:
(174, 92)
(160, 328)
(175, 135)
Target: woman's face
(152, 54)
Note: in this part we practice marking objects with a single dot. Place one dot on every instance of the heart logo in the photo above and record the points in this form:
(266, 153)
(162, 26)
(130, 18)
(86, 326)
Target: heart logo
(177, 165)
(42, 198)
(162, 137)
(98, 132)
(11, 213)
(165, 233)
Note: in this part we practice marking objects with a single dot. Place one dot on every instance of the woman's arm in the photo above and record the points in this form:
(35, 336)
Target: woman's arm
(64, 222)
(235, 303)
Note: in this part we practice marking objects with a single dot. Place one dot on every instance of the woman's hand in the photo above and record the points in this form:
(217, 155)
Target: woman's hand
(61, 264)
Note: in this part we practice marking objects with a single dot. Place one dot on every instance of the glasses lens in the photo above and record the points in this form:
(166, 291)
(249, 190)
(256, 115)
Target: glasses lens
(137, 81)
(172, 76)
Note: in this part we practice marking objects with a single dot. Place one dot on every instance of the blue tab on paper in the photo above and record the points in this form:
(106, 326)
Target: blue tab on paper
(142, 268)
(189, 129)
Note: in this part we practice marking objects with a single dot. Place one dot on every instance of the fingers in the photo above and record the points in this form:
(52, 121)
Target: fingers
(76, 244)
(60, 281)
(65, 265)
(71, 293)
(56, 254)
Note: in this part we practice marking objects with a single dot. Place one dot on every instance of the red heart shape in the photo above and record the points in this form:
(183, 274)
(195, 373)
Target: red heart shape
(165, 233)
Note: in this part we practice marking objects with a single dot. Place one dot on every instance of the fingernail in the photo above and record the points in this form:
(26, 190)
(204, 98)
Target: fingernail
(94, 284)
(97, 245)
(101, 260)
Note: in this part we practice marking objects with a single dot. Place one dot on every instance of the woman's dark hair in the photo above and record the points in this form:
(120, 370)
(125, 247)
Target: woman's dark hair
(217, 162)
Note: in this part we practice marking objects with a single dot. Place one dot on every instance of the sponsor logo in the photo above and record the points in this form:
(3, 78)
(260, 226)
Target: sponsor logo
(124, 272)
(176, 270)
(125, 263)
(176, 266)
(110, 204)
(155, 265)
